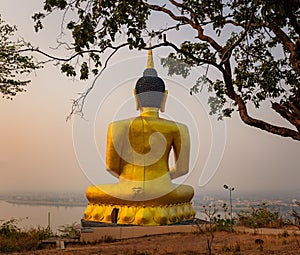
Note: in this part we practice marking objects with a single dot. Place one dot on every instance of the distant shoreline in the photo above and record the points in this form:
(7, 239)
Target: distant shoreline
(45, 203)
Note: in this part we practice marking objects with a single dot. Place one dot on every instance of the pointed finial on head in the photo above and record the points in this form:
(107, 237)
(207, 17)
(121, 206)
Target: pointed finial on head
(150, 63)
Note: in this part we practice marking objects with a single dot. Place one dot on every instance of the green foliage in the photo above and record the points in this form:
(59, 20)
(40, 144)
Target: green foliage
(251, 44)
(97, 26)
(259, 75)
(13, 239)
(175, 66)
(49, 4)
(296, 215)
(9, 228)
(259, 217)
(223, 223)
(210, 211)
(70, 231)
(285, 234)
(214, 223)
(199, 50)
(68, 69)
(13, 64)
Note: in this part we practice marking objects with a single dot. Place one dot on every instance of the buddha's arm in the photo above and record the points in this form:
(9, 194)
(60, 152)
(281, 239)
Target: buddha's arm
(113, 160)
(181, 148)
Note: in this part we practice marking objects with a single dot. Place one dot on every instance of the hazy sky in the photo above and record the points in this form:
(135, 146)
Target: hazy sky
(40, 151)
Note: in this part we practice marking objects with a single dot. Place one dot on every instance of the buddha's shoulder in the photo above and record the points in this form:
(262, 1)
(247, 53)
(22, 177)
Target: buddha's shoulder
(120, 122)
(159, 121)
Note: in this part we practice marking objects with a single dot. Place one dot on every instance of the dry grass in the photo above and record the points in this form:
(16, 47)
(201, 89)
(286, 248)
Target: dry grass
(238, 243)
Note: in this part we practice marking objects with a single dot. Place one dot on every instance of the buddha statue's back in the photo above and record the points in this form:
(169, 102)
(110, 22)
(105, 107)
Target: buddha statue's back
(138, 151)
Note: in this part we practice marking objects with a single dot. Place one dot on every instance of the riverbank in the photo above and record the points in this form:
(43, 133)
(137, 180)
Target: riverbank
(46, 203)
(31, 215)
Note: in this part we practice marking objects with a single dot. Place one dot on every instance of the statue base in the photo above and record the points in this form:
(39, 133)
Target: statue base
(139, 215)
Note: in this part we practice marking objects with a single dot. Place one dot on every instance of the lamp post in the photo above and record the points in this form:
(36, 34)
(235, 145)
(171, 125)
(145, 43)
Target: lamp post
(230, 202)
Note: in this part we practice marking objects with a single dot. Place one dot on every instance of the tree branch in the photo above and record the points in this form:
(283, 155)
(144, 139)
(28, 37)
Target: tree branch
(54, 58)
(227, 53)
(161, 31)
(293, 48)
(292, 117)
(246, 118)
(285, 40)
(78, 104)
(184, 7)
(185, 53)
(277, 130)
(184, 19)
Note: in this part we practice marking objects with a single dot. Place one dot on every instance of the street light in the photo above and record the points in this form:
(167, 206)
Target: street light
(230, 201)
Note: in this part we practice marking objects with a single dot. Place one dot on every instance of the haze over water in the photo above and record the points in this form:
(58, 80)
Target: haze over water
(32, 216)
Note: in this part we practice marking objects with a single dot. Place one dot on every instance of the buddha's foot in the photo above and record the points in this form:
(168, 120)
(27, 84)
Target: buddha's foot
(139, 215)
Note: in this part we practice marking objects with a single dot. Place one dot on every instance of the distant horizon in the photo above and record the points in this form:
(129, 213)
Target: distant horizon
(199, 192)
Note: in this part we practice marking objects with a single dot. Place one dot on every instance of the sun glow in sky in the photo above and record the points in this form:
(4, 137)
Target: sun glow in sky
(37, 151)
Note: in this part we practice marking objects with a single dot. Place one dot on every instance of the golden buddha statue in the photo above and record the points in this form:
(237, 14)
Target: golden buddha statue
(138, 151)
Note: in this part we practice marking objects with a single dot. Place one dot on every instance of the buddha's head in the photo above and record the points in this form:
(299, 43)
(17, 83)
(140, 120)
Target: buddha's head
(150, 89)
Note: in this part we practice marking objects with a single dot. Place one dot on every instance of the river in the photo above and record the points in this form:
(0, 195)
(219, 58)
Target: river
(33, 216)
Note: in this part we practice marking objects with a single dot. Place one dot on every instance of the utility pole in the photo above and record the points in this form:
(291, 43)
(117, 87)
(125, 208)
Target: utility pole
(49, 221)
(230, 202)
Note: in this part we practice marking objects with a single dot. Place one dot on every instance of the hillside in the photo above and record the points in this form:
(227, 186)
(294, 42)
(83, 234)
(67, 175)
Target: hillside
(238, 243)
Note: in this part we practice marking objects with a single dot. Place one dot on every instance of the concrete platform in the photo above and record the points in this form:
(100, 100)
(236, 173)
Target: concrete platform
(96, 234)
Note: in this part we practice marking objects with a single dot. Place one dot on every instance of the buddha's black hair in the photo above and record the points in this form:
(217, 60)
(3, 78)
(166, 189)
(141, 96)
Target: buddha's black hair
(150, 89)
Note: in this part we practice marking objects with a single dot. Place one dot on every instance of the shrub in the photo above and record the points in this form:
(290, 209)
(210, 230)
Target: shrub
(296, 215)
(70, 231)
(13, 239)
(285, 234)
(260, 217)
(222, 224)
